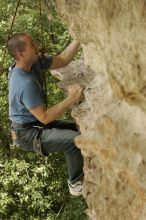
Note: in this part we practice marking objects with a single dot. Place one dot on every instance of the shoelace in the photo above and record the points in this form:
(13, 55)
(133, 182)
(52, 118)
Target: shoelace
(77, 186)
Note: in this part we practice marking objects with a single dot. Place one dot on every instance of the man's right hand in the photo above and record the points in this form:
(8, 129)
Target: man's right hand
(74, 93)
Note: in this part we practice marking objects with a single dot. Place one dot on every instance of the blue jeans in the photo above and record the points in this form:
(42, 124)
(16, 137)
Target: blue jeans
(56, 136)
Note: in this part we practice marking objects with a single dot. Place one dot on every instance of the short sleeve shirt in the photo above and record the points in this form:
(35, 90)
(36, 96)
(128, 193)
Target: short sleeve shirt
(26, 91)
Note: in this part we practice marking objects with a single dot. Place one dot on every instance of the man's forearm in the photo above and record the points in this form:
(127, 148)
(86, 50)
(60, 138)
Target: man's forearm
(57, 110)
(47, 115)
(68, 54)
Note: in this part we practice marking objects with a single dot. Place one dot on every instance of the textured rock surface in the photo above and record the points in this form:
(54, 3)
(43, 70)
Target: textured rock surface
(75, 72)
(112, 118)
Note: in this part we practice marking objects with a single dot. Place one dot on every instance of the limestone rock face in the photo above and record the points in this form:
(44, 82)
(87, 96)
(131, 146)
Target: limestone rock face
(112, 118)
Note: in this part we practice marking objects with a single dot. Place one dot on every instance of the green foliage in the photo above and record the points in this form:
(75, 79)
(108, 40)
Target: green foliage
(33, 187)
(36, 188)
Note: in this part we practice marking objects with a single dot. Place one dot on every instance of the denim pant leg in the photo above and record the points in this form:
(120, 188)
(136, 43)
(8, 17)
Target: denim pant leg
(56, 139)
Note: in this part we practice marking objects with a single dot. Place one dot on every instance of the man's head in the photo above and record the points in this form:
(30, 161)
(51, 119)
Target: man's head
(22, 47)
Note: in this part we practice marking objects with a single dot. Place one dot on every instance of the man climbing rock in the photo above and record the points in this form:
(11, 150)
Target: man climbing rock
(35, 127)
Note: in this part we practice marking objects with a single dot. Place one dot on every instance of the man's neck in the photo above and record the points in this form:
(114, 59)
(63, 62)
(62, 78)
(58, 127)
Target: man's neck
(24, 66)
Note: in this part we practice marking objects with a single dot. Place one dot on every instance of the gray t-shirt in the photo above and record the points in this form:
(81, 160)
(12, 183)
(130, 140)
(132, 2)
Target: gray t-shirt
(25, 91)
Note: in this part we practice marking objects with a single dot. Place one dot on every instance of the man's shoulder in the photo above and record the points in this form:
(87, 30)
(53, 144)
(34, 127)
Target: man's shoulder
(20, 78)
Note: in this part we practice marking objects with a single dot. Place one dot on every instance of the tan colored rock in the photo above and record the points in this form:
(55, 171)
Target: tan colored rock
(112, 118)
(76, 71)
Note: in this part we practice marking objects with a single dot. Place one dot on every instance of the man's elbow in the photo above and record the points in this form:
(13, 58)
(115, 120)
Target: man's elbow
(66, 62)
(59, 62)
(44, 122)
(45, 119)
(63, 61)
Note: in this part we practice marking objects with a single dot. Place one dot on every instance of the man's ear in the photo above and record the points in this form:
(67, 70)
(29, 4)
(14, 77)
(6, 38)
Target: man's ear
(19, 55)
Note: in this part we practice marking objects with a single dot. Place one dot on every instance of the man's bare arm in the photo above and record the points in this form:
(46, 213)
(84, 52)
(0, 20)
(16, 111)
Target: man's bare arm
(47, 115)
(66, 56)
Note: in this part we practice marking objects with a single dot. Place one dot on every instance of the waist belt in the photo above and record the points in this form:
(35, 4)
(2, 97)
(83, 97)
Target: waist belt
(36, 124)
